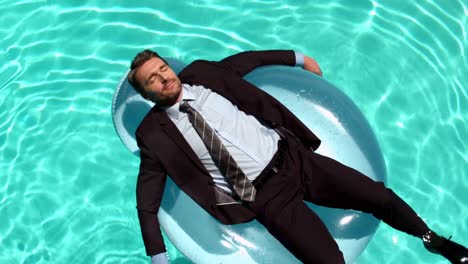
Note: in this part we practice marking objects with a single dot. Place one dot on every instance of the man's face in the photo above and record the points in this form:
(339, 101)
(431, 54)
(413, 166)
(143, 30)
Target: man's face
(160, 82)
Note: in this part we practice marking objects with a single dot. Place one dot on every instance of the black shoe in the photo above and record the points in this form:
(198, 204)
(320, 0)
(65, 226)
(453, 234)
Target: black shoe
(452, 251)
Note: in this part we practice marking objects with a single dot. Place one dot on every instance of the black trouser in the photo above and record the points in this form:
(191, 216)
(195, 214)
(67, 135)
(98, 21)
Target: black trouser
(306, 175)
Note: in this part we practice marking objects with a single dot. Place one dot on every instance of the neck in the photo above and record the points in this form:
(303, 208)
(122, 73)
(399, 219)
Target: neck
(180, 95)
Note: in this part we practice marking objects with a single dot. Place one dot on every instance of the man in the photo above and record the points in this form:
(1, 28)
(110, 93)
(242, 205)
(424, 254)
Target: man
(240, 154)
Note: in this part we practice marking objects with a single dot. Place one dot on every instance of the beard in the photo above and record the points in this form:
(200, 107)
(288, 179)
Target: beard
(169, 99)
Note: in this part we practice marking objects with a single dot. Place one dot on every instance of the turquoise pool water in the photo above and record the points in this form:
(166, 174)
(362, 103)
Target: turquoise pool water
(68, 184)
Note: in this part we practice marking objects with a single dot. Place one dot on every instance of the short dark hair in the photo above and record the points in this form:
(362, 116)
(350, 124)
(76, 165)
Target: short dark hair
(139, 60)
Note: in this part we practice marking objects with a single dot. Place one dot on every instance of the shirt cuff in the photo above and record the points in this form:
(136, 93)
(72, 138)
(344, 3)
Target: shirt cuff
(299, 59)
(160, 258)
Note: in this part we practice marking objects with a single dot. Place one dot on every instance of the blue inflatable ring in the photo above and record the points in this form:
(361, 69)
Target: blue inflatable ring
(346, 136)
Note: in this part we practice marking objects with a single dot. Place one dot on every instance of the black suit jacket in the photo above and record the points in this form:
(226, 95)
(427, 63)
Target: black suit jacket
(164, 151)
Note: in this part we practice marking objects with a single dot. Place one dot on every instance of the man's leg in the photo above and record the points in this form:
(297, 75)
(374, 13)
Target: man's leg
(302, 232)
(279, 206)
(330, 183)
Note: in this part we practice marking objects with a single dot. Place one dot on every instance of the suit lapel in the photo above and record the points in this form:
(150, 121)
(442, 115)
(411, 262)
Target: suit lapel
(171, 130)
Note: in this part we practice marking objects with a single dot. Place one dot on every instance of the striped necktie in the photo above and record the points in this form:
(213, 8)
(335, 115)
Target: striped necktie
(221, 157)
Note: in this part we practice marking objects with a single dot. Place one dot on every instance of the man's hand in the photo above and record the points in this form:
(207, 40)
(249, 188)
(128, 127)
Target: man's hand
(312, 66)
(161, 258)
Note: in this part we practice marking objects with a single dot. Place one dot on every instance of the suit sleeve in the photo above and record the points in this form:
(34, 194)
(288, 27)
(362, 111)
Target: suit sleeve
(149, 190)
(244, 62)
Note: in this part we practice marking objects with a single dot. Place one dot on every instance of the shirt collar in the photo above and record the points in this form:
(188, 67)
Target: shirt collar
(173, 111)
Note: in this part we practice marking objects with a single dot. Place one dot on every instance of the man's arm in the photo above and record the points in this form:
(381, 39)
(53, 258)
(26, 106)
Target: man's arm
(244, 62)
(149, 190)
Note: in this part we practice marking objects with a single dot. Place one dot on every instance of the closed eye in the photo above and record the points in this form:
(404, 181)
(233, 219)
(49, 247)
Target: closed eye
(151, 78)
